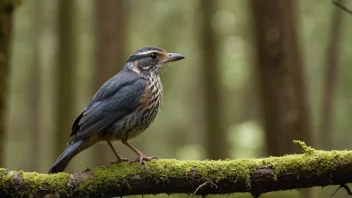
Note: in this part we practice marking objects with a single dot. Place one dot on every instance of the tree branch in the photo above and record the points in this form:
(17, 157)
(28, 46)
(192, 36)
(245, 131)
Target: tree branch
(256, 176)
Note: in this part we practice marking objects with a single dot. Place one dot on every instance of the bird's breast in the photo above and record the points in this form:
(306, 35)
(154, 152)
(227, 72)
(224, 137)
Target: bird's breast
(141, 118)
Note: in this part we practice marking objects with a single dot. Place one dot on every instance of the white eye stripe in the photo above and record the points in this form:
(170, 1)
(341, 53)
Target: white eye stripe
(148, 52)
(145, 68)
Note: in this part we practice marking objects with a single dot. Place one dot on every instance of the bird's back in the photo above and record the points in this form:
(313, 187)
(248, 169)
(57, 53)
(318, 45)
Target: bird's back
(113, 102)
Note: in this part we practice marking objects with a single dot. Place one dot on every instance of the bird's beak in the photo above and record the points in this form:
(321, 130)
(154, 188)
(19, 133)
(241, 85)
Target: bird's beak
(171, 57)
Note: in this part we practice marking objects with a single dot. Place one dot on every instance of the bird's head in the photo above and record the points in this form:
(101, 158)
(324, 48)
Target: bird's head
(149, 60)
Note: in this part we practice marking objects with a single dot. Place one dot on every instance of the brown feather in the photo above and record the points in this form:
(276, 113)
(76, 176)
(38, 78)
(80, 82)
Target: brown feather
(147, 96)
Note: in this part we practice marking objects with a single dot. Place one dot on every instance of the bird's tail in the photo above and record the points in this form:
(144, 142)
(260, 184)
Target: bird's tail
(72, 150)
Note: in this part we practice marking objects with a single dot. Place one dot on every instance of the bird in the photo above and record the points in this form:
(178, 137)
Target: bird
(122, 108)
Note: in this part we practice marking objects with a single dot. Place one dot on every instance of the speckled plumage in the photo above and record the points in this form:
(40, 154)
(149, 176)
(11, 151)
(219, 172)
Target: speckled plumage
(140, 119)
(122, 108)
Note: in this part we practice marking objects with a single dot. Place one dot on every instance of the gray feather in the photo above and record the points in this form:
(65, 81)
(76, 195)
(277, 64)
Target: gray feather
(118, 97)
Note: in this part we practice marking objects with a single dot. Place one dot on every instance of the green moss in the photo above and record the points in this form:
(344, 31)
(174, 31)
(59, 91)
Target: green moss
(239, 170)
(55, 181)
(312, 160)
(2, 172)
(160, 171)
(110, 175)
(4, 182)
(305, 149)
(35, 181)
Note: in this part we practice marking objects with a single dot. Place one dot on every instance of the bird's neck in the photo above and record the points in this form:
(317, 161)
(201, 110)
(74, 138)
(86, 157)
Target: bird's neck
(154, 80)
(156, 86)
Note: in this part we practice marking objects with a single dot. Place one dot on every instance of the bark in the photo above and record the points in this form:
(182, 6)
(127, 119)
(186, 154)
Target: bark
(280, 68)
(110, 41)
(255, 176)
(65, 75)
(330, 81)
(6, 12)
(216, 144)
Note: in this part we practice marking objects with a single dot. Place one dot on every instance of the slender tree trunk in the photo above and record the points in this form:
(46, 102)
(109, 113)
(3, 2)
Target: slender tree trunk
(280, 67)
(33, 89)
(216, 144)
(111, 43)
(330, 81)
(6, 11)
(65, 75)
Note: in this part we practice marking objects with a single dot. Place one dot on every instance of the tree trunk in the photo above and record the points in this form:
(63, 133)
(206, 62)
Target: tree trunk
(330, 81)
(216, 144)
(6, 11)
(33, 87)
(65, 75)
(280, 67)
(110, 44)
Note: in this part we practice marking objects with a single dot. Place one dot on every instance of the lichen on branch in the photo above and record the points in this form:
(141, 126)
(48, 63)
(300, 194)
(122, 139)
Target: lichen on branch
(256, 176)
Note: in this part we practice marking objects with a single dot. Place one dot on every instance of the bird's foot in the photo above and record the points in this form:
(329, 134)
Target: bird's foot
(119, 161)
(143, 158)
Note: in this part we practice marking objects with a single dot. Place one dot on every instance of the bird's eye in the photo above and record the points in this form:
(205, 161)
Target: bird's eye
(153, 55)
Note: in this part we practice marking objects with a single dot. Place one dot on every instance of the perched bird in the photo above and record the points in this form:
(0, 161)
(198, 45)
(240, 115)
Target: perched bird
(122, 108)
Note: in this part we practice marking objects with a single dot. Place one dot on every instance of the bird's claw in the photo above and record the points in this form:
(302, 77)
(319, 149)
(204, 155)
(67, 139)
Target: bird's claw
(143, 158)
(119, 161)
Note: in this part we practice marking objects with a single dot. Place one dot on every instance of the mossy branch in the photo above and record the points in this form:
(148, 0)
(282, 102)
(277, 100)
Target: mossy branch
(256, 176)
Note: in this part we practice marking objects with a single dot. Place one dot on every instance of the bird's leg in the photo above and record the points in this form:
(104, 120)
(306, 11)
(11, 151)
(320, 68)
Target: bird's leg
(141, 157)
(118, 157)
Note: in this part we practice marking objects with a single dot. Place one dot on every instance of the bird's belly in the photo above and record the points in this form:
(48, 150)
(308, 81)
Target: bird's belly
(132, 125)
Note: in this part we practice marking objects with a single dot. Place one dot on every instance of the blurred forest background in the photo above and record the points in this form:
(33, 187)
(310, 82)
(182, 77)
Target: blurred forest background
(257, 75)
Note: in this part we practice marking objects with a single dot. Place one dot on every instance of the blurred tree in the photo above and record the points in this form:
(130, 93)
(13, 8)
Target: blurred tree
(111, 42)
(33, 87)
(330, 81)
(65, 75)
(7, 8)
(280, 67)
(216, 144)
(341, 4)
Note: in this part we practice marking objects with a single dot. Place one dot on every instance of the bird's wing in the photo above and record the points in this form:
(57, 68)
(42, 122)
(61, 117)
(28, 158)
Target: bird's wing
(118, 97)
